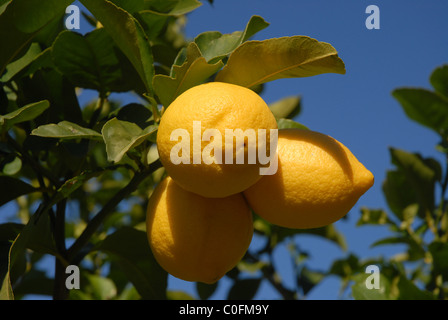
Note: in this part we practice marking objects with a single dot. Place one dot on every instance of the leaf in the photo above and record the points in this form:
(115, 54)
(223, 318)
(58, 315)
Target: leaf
(15, 189)
(194, 71)
(35, 235)
(425, 107)
(215, 46)
(15, 67)
(66, 130)
(361, 292)
(173, 7)
(23, 114)
(90, 61)
(122, 136)
(128, 35)
(244, 289)
(286, 108)
(439, 253)
(328, 232)
(21, 21)
(257, 62)
(439, 80)
(419, 175)
(373, 217)
(130, 248)
(290, 124)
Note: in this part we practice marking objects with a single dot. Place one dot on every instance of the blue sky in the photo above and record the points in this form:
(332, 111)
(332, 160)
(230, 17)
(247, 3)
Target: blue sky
(356, 108)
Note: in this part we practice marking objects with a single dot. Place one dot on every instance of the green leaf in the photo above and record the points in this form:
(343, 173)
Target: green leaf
(286, 108)
(194, 71)
(439, 253)
(178, 295)
(419, 175)
(35, 235)
(425, 107)
(90, 61)
(328, 232)
(21, 21)
(184, 6)
(361, 292)
(257, 62)
(290, 124)
(128, 35)
(173, 7)
(135, 113)
(122, 136)
(66, 130)
(244, 289)
(130, 248)
(373, 217)
(439, 80)
(15, 67)
(26, 113)
(16, 188)
(215, 46)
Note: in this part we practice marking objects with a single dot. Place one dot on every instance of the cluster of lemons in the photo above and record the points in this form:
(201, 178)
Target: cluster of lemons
(199, 218)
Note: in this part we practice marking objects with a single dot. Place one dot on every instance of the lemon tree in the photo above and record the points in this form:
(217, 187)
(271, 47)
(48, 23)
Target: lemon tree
(90, 185)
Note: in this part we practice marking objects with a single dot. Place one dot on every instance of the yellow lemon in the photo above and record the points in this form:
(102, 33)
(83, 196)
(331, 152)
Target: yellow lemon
(199, 129)
(196, 238)
(317, 182)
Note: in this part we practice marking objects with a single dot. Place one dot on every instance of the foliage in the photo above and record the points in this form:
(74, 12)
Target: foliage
(79, 176)
(415, 191)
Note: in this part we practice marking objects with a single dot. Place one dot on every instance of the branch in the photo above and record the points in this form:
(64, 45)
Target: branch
(95, 223)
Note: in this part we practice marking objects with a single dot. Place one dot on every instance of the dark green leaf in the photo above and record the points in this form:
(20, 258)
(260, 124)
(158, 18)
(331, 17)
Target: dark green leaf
(419, 175)
(90, 61)
(26, 113)
(286, 108)
(398, 192)
(439, 80)
(173, 7)
(425, 107)
(128, 35)
(439, 253)
(244, 289)
(21, 21)
(130, 248)
(66, 130)
(193, 72)
(16, 188)
(135, 113)
(122, 136)
(256, 62)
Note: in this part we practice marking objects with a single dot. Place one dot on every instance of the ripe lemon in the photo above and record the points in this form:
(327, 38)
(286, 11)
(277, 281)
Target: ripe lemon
(218, 106)
(317, 182)
(196, 238)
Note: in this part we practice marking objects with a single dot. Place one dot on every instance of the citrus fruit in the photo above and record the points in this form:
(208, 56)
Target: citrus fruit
(317, 182)
(191, 138)
(196, 238)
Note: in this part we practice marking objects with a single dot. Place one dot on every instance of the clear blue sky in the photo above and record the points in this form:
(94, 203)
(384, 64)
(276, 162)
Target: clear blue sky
(356, 108)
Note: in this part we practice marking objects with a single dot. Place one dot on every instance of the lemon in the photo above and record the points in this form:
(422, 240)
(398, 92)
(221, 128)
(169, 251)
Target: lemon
(191, 138)
(317, 182)
(196, 238)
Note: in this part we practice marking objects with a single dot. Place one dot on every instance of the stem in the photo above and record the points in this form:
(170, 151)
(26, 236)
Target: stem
(95, 223)
(60, 291)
